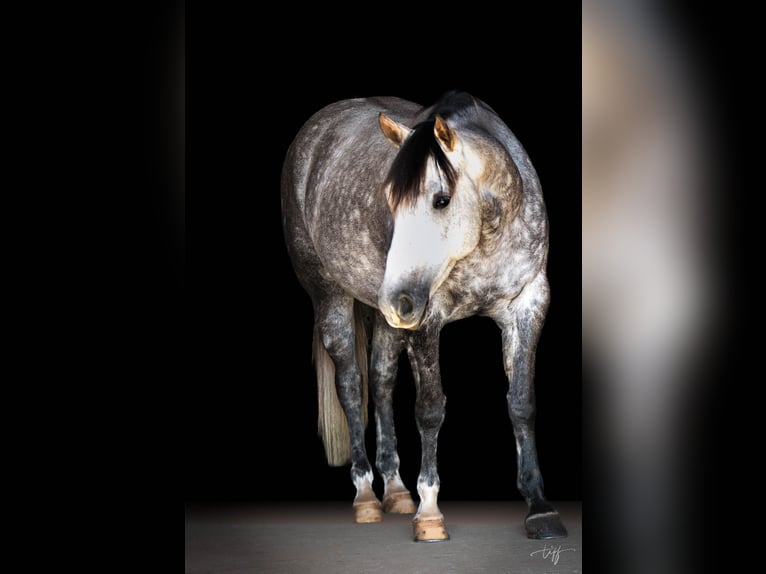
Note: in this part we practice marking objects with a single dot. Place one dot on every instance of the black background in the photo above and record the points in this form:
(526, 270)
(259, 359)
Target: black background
(249, 394)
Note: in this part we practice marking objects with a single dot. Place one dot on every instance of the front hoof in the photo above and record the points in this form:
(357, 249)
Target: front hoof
(399, 503)
(545, 526)
(367, 512)
(429, 530)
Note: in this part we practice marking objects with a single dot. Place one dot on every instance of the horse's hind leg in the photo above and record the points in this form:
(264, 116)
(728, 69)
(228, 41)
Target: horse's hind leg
(521, 330)
(387, 344)
(334, 317)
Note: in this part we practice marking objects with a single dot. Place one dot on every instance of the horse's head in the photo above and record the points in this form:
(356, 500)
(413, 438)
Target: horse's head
(436, 211)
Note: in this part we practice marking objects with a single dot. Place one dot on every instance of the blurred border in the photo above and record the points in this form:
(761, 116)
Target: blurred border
(657, 281)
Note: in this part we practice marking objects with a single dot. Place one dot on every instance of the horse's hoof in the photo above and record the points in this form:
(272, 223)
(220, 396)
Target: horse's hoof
(545, 526)
(429, 530)
(399, 503)
(367, 512)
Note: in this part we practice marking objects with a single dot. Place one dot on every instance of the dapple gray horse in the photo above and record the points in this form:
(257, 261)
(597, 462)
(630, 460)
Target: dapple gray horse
(416, 217)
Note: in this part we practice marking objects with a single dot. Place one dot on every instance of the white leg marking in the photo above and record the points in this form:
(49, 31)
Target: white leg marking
(364, 487)
(428, 507)
(395, 485)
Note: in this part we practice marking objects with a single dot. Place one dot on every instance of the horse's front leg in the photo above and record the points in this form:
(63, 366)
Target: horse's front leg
(387, 345)
(423, 351)
(521, 325)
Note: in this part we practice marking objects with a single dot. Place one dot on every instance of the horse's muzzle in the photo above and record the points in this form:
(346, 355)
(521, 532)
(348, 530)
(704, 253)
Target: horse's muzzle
(403, 310)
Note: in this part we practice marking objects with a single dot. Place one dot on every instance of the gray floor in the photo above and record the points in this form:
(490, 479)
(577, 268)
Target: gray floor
(309, 538)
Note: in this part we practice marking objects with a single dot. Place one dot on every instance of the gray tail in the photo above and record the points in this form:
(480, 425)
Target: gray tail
(333, 427)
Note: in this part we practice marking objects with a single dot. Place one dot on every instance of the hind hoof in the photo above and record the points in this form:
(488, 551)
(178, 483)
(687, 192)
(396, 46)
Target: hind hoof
(545, 526)
(429, 530)
(367, 512)
(399, 503)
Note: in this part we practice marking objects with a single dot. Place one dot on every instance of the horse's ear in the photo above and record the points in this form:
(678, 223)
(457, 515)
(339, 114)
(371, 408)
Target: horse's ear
(393, 130)
(445, 135)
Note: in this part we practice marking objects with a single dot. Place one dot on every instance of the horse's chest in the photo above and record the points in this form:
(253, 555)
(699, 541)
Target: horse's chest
(467, 291)
(480, 286)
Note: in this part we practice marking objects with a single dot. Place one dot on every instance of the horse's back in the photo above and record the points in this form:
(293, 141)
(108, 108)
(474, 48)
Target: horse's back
(356, 119)
(336, 224)
(339, 130)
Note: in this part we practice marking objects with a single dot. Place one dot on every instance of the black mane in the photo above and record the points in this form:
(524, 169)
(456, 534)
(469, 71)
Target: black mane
(408, 170)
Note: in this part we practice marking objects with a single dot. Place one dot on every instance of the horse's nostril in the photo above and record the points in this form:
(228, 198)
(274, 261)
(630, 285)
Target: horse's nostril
(406, 306)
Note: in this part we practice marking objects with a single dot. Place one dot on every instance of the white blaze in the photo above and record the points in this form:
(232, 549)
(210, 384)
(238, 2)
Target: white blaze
(420, 248)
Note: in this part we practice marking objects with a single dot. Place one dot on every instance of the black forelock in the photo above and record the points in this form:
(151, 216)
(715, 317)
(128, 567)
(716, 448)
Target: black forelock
(408, 170)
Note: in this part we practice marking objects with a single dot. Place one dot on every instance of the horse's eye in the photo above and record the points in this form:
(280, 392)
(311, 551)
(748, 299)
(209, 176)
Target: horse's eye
(441, 201)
